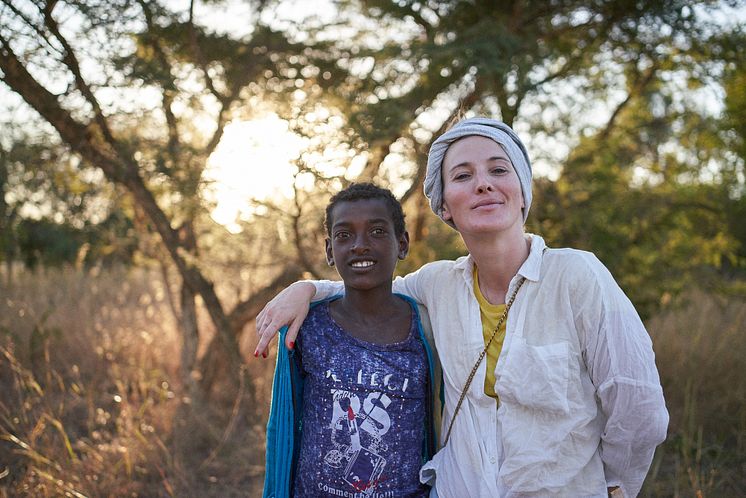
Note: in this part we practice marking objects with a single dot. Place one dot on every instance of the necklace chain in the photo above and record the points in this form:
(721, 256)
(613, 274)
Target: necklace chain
(481, 357)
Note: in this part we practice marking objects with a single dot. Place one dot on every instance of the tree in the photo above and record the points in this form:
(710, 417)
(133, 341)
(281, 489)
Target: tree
(387, 76)
(734, 129)
(77, 64)
(613, 83)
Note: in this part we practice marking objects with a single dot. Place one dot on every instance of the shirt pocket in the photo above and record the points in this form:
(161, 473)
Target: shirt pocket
(535, 377)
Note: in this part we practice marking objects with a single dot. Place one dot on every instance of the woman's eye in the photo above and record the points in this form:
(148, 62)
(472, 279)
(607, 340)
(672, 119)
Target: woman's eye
(461, 176)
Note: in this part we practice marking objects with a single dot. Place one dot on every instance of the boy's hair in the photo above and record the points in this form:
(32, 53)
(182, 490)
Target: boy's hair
(361, 191)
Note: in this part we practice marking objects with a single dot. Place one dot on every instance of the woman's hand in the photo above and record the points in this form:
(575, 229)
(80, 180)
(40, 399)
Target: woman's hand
(290, 308)
(615, 492)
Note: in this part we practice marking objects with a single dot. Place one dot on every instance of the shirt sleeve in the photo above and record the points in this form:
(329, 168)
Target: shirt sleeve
(326, 288)
(413, 285)
(621, 363)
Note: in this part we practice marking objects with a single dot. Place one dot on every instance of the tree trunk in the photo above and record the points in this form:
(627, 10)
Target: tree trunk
(212, 364)
(422, 212)
(120, 168)
(189, 345)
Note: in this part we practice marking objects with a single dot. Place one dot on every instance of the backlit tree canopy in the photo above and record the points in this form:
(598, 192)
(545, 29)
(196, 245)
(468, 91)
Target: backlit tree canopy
(633, 112)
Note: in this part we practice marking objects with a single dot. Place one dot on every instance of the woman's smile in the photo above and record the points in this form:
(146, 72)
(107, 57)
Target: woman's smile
(487, 203)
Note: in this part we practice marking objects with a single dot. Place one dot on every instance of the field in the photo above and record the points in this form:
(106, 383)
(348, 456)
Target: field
(91, 403)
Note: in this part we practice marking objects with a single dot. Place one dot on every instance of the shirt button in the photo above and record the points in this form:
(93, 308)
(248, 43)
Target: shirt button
(492, 459)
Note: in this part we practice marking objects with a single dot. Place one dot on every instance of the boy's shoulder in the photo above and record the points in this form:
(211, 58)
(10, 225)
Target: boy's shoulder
(318, 313)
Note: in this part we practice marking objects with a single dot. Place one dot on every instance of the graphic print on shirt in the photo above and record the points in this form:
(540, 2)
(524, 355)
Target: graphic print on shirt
(356, 435)
(362, 414)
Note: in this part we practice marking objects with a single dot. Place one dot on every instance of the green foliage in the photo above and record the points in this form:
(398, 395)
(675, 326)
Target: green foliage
(440, 241)
(47, 243)
(655, 190)
(56, 210)
(735, 107)
(645, 212)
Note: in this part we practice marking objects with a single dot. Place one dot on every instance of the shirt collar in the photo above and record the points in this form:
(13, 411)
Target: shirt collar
(530, 269)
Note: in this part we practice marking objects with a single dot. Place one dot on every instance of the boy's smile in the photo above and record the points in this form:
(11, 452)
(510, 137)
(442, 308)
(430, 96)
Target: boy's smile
(362, 264)
(364, 245)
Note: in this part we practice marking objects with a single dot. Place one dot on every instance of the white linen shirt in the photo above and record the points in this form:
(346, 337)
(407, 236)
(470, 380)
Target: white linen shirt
(580, 402)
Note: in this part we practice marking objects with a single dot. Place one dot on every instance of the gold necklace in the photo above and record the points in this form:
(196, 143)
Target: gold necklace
(481, 357)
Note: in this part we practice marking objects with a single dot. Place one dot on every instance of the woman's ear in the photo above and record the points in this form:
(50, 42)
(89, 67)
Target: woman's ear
(445, 213)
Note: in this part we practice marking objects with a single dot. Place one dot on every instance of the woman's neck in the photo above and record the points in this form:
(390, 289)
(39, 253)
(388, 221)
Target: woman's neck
(498, 259)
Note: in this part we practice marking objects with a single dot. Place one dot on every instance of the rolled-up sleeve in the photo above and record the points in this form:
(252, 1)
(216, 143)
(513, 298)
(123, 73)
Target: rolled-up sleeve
(621, 362)
(326, 288)
(415, 284)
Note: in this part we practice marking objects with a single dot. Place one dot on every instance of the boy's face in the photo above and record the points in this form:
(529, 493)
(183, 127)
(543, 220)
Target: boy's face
(363, 245)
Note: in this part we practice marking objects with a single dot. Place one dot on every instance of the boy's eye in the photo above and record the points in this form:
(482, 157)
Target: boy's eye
(378, 231)
(341, 235)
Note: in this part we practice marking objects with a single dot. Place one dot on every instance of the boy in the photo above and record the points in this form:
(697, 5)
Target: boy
(352, 403)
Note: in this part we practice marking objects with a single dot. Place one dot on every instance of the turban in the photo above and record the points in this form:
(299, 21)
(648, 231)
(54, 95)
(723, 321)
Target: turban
(485, 127)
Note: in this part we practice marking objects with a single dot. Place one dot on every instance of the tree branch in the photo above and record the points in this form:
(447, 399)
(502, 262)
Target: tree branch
(28, 22)
(245, 311)
(72, 64)
(119, 169)
(467, 102)
(635, 89)
(298, 236)
(168, 86)
(224, 100)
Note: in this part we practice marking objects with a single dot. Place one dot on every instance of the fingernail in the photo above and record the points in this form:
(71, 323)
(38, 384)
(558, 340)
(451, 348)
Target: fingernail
(292, 344)
(256, 354)
(264, 355)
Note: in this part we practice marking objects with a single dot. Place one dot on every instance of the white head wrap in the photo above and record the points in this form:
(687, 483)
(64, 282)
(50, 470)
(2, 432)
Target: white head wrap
(485, 127)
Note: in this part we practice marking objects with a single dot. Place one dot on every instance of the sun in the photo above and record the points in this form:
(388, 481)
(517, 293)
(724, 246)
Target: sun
(253, 161)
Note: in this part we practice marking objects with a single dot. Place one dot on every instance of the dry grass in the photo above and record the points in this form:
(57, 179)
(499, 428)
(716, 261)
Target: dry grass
(91, 404)
(701, 355)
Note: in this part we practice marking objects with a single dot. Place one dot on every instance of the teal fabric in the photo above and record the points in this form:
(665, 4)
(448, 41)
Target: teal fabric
(284, 424)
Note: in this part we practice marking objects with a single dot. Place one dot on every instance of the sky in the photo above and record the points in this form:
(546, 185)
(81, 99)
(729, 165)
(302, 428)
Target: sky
(254, 160)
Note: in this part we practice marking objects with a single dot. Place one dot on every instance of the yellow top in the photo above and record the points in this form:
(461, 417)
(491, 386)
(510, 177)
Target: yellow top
(490, 314)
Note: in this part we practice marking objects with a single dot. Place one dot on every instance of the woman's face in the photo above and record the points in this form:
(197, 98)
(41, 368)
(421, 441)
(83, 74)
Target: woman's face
(481, 190)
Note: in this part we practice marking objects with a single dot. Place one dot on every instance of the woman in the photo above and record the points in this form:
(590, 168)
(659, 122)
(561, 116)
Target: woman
(567, 401)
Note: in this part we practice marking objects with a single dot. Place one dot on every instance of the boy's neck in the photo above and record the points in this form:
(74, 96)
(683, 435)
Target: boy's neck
(369, 303)
(374, 315)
